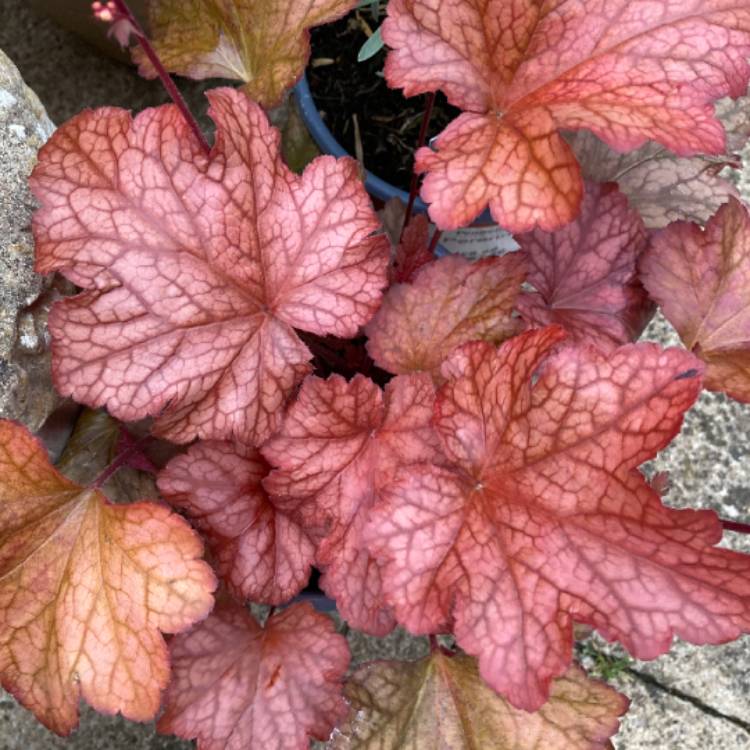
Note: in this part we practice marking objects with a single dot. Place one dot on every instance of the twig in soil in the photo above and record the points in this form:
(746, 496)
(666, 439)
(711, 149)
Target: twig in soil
(358, 150)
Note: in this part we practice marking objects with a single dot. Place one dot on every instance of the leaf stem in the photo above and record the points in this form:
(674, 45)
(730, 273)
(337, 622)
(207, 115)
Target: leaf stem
(428, 105)
(166, 79)
(742, 528)
(118, 462)
(433, 242)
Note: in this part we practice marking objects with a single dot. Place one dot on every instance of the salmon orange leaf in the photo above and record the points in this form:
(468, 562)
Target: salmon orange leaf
(264, 43)
(547, 519)
(340, 442)
(627, 71)
(261, 553)
(700, 278)
(442, 702)
(585, 274)
(196, 270)
(451, 301)
(237, 685)
(85, 588)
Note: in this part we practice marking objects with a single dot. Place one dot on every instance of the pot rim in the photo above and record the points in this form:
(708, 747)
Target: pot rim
(328, 144)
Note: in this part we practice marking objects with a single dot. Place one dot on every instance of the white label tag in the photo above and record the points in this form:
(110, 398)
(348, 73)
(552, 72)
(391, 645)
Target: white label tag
(479, 241)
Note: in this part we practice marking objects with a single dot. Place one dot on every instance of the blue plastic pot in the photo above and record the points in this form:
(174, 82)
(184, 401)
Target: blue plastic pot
(381, 189)
(376, 187)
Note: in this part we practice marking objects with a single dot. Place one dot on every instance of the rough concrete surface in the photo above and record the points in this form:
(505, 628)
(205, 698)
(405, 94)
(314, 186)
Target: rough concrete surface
(690, 699)
(26, 392)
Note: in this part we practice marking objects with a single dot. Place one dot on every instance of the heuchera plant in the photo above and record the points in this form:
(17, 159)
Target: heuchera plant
(454, 445)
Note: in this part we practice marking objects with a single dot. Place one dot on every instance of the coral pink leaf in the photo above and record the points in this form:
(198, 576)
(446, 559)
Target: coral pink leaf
(521, 71)
(412, 252)
(700, 278)
(237, 686)
(441, 703)
(585, 273)
(547, 520)
(450, 302)
(85, 588)
(341, 441)
(196, 270)
(262, 554)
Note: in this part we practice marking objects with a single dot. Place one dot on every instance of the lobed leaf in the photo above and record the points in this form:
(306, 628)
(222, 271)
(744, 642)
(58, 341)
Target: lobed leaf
(261, 553)
(546, 519)
(662, 186)
(585, 274)
(264, 43)
(521, 71)
(196, 270)
(236, 685)
(451, 301)
(441, 703)
(700, 279)
(85, 588)
(340, 443)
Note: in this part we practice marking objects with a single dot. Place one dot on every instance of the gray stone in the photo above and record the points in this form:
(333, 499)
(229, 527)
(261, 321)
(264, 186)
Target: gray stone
(26, 392)
(658, 720)
(19, 730)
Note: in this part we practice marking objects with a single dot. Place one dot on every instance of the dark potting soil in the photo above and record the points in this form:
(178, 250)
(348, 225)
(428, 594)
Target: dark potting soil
(388, 123)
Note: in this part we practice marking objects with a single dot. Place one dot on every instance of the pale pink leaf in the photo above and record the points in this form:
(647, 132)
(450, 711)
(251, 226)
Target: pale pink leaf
(627, 71)
(441, 703)
(660, 185)
(85, 588)
(700, 278)
(197, 269)
(263, 43)
(412, 251)
(451, 301)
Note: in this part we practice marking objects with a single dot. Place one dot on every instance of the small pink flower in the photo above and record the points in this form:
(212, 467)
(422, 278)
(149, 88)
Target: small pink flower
(104, 11)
